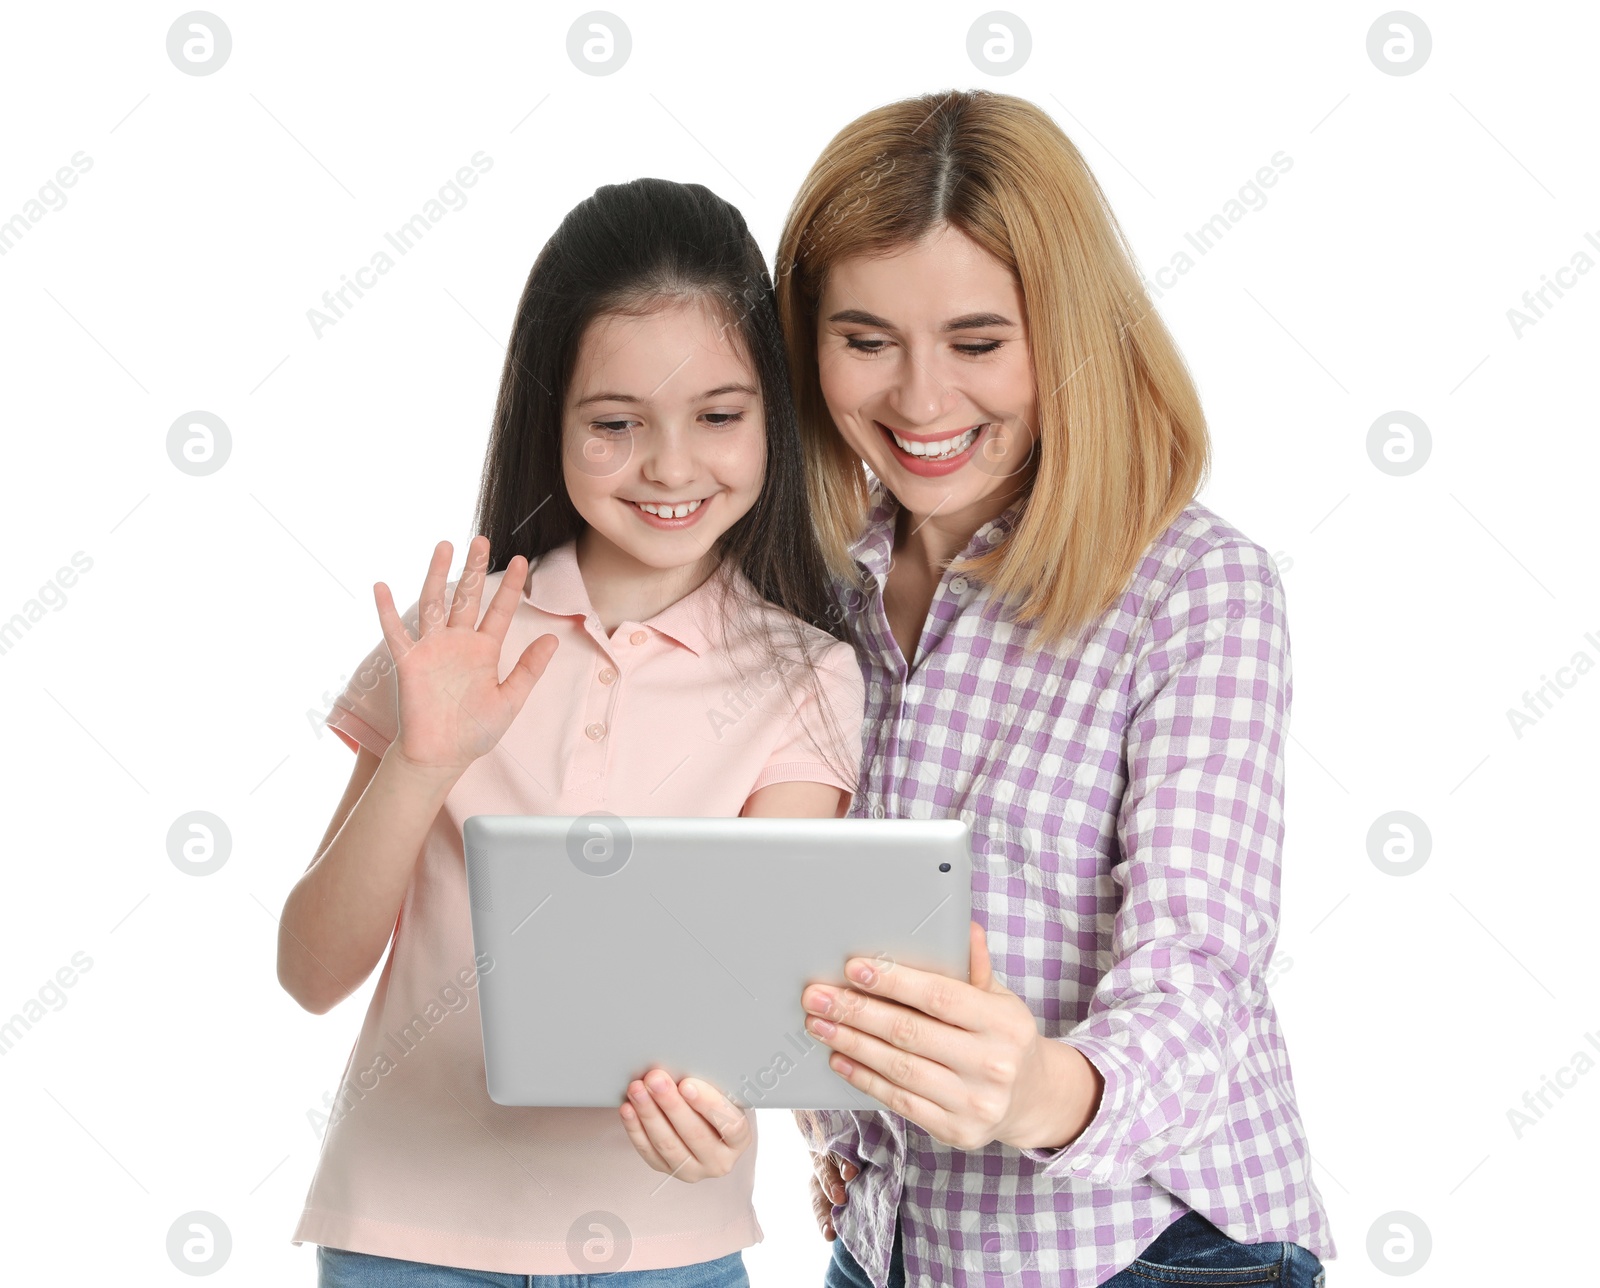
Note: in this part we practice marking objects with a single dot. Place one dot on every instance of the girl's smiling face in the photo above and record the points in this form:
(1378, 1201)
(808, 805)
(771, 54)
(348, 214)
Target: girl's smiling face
(923, 361)
(663, 410)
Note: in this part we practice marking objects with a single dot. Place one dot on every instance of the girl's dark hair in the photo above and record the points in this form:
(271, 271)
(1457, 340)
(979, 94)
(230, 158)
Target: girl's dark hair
(628, 249)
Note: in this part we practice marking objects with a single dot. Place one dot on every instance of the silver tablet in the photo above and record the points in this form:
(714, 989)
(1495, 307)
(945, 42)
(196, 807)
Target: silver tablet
(619, 944)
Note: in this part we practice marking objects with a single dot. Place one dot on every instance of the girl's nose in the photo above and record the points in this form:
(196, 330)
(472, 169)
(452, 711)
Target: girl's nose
(668, 460)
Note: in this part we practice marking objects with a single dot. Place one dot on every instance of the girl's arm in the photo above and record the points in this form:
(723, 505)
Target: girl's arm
(451, 708)
(337, 920)
(797, 800)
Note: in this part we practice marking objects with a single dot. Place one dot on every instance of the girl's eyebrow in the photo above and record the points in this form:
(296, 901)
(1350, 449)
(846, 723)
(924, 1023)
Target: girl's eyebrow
(967, 322)
(700, 397)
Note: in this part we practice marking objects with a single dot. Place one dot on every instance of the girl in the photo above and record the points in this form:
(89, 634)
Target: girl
(644, 503)
(1067, 649)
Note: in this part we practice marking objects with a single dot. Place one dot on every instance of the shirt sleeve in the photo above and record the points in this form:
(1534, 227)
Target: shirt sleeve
(809, 749)
(1200, 830)
(367, 712)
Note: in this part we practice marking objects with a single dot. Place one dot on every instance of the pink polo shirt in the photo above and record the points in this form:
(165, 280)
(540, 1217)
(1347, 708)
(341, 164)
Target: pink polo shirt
(656, 719)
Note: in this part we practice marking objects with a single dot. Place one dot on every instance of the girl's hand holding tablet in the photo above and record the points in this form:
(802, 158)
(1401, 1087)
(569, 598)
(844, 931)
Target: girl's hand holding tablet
(453, 705)
(689, 1130)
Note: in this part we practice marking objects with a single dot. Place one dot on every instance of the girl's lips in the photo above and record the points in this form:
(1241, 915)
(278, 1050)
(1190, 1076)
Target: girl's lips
(921, 464)
(656, 521)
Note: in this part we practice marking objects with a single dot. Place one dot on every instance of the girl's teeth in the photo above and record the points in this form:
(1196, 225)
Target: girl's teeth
(669, 511)
(941, 450)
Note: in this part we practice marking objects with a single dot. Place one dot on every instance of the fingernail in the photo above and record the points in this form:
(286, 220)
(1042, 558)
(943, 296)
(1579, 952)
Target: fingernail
(822, 1028)
(862, 973)
(821, 1001)
(689, 1092)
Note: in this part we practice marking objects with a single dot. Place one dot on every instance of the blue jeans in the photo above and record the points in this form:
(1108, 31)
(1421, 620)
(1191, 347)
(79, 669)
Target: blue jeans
(341, 1268)
(1189, 1251)
(845, 1272)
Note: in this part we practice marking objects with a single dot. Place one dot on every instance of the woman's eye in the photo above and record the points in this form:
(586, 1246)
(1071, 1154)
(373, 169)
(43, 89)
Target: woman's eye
(863, 346)
(988, 346)
(721, 419)
(612, 426)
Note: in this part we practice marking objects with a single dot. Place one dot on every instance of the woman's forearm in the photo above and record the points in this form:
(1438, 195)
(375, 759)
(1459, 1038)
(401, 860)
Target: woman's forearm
(338, 918)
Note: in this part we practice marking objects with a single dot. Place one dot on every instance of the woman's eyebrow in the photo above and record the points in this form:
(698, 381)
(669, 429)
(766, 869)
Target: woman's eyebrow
(973, 321)
(861, 318)
(967, 322)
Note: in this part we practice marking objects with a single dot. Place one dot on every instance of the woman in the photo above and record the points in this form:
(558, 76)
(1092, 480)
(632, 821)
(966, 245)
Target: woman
(1063, 647)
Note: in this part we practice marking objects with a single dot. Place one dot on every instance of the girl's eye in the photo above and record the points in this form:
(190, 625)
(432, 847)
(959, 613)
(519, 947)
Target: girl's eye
(611, 426)
(722, 419)
(987, 346)
(864, 346)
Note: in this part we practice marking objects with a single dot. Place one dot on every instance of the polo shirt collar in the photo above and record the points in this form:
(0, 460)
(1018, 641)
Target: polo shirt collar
(555, 586)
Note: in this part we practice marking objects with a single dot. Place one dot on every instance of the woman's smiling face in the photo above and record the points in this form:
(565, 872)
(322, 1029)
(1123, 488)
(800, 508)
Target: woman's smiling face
(923, 361)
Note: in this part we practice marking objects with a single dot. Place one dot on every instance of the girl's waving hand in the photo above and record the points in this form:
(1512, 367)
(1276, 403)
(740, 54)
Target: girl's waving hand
(453, 705)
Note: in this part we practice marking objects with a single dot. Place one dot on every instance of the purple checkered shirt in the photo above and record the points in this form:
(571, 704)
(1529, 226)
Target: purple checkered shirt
(1125, 794)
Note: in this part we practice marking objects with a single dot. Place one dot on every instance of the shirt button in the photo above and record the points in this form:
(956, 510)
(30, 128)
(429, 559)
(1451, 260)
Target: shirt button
(596, 730)
(995, 536)
(607, 676)
(877, 810)
(959, 585)
(638, 637)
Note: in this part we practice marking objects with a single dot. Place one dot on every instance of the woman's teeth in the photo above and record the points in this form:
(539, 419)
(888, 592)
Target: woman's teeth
(939, 449)
(682, 510)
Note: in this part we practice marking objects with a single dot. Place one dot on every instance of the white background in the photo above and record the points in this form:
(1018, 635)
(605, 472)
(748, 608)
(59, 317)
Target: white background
(221, 613)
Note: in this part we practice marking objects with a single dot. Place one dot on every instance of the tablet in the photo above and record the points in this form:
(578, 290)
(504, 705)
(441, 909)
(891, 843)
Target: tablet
(620, 944)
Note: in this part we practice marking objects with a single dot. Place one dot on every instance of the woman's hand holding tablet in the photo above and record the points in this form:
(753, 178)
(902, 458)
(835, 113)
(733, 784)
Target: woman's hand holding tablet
(966, 1062)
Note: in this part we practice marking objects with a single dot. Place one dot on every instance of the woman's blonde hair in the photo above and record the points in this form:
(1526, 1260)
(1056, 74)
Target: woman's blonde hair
(1122, 440)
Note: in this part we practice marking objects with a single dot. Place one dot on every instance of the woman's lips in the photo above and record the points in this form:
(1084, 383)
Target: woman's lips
(922, 465)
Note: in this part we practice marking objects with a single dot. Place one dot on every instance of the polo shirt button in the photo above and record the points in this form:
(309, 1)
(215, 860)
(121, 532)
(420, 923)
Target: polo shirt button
(607, 676)
(995, 536)
(959, 585)
(638, 637)
(596, 730)
(877, 810)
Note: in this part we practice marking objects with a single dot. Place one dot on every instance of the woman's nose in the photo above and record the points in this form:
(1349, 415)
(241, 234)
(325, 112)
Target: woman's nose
(920, 395)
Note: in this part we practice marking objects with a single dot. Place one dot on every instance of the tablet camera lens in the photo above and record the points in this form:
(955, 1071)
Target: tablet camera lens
(944, 867)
